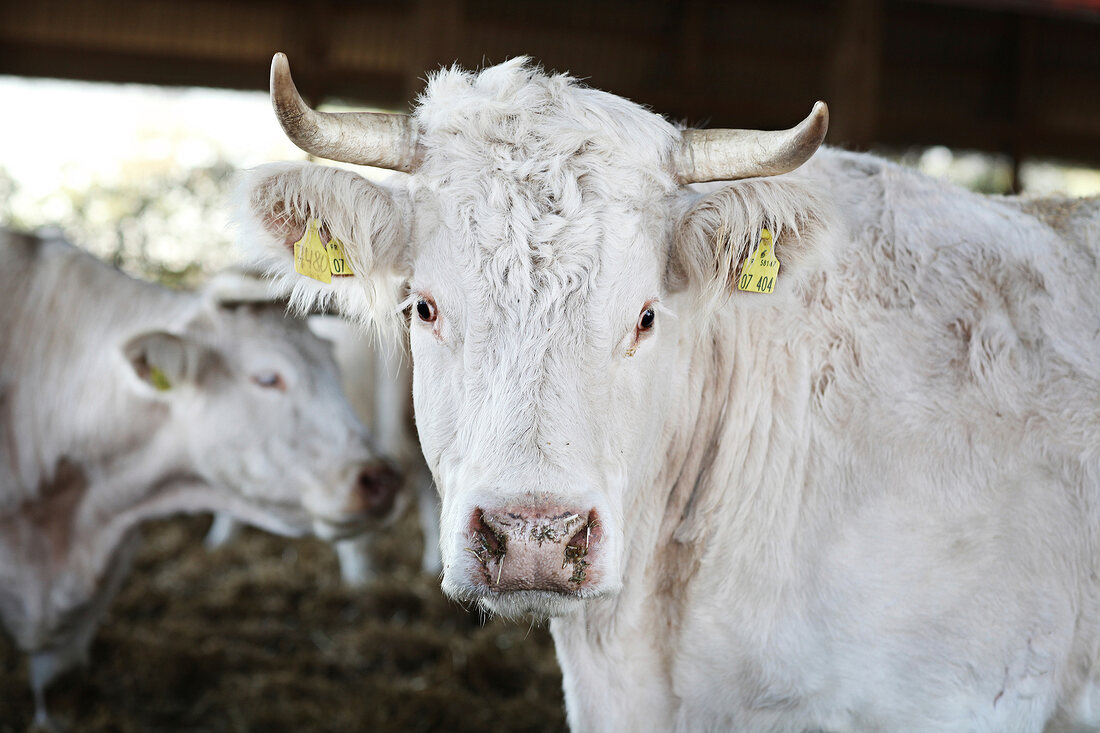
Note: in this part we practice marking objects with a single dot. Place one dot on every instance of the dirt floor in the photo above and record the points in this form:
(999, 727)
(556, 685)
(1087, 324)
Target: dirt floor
(260, 635)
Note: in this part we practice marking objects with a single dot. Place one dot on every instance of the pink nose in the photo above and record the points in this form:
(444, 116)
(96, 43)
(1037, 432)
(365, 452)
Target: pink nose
(375, 490)
(535, 548)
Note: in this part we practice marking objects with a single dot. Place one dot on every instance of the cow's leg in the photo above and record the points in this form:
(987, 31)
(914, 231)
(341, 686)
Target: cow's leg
(72, 650)
(222, 530)
(356, 566)
(428, 508)
(44, 666)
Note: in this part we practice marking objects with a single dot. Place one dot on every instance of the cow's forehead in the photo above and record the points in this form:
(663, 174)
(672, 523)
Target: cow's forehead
(254, 334)
(536, 179)
(515, 121)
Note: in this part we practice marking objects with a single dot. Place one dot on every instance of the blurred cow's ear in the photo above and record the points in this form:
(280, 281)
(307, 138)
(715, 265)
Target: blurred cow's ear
(165, 360)
(277, 202)
(722, 229)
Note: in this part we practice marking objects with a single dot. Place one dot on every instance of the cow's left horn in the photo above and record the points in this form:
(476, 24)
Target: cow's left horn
(727, 155)
(365, 138)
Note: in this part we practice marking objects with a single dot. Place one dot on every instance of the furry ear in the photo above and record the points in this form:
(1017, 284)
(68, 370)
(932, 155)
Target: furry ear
(165, 360)
(276, 203)
(722, 227)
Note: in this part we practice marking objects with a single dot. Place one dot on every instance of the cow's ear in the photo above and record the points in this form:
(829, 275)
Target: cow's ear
(723, 226)
(165, 360)
(276, 204)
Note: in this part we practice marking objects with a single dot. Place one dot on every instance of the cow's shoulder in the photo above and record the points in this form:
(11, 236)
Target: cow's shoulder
(978, 310)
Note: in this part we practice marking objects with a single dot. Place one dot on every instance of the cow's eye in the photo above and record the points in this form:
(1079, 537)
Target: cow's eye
(645, 321)
(425, 309)
(269, 380)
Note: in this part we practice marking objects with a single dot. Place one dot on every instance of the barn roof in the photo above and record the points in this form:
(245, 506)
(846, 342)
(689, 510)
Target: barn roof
(1012, 76)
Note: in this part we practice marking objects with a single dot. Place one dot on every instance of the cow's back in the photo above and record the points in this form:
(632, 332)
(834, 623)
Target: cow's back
(984, 311)
(20, 253)
(1076, 220)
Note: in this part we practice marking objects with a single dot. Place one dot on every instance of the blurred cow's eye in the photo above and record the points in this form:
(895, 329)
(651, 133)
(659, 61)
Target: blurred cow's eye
(645, 321)
(269, 380)
(425, 309)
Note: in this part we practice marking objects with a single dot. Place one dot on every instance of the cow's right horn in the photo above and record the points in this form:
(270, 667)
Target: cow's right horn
(365, 138)
(728, 155)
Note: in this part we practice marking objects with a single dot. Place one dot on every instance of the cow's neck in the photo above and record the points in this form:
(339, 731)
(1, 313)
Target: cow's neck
(75, 513)
(60, 548)
(747, 391)
(742, 390)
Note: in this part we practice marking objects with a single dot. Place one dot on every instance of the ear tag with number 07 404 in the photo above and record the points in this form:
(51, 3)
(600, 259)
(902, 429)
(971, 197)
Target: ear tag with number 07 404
(311, 256)
(762, 266)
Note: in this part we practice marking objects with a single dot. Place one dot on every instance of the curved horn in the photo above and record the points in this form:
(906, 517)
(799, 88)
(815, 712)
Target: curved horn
(727, 155)
(365, 138)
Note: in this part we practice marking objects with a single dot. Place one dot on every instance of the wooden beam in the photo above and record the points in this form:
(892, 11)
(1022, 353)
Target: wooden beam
(437, 28)
(691, 54)
(855, 70)
(1023, 79)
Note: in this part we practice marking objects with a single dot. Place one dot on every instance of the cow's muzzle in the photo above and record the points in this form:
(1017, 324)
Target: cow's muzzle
(550, 549)
(372, 500)
(376, 489)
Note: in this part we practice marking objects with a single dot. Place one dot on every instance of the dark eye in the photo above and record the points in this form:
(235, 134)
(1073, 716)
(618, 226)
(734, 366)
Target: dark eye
(645, 322)
(269, 380)
(426, 310)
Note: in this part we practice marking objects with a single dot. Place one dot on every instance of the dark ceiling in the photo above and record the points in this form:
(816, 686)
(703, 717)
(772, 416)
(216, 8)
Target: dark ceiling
(1016, 77)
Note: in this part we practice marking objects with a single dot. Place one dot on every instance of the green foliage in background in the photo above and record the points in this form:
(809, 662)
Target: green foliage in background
(170, 226)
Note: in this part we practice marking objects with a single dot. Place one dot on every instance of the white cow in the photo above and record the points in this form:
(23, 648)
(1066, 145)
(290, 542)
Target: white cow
(121, 401)
(866, 501)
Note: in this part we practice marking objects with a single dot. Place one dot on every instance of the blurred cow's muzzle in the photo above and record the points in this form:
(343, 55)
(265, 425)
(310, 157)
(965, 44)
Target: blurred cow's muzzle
(373, 498)
(375, 491)
(544, 548)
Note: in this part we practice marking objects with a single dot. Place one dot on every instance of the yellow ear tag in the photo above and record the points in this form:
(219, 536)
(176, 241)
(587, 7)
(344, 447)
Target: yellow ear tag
(759, 272)
(159, 379)
(338, 262)
(311, 257)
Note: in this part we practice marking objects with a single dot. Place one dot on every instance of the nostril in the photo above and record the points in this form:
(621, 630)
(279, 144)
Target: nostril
(588, 535)
(490, 543)
(580, 544)
(377, 486)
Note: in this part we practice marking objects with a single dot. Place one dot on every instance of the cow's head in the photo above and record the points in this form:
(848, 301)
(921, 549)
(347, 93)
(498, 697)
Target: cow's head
(555, 266)
(255, 400)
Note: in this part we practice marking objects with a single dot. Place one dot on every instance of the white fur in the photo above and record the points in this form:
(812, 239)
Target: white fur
(73, 405)
(865, 502)
(372, 224)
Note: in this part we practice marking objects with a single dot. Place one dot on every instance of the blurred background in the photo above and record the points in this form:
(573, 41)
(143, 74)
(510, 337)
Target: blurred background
(124, 122)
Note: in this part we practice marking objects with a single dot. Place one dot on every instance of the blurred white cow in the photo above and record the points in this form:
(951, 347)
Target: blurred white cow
(121, 401)
(378, 382)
